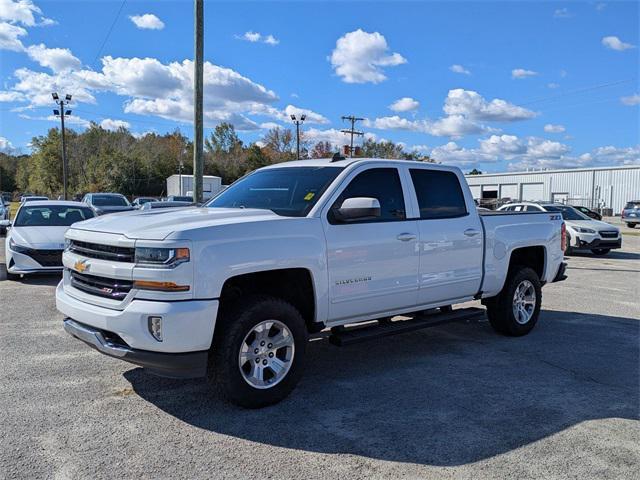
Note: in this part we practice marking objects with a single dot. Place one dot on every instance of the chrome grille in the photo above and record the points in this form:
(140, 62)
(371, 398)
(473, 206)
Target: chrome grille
(103, 252)
(101, 286)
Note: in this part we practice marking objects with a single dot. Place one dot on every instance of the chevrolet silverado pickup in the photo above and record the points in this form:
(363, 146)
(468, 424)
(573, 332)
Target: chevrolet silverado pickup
(234, 289)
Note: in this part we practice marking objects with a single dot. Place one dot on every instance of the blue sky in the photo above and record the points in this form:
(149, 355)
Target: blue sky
(492, 85)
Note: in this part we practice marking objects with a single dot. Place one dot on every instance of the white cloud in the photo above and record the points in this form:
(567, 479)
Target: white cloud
(270, 125)
(359, 57)
(553, 85)
(10, 37)
(68, 119)
(631, 99)
(335, 137)
(599, 157)
(57, 59)
(452, 153)
(601, 6)
(255, 37)
(404, 104)
(5, 145)
(520, 73)
(454, 126)
(459, 69)
(471, 104)
(550, 128)
(562, 13)
(23, 12)
(36, 87)
(148, 21)
(9, 96)
(502, 145)
(110, 124)
(614, 43)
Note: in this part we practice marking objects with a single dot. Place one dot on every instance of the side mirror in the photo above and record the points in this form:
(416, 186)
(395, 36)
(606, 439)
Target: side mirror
(358, 208)
(5, 223)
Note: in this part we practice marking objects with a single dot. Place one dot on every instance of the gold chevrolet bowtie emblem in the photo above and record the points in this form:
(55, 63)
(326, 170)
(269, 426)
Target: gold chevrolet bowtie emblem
(80, 266)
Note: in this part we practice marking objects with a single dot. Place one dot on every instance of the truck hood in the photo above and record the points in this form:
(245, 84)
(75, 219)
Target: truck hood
(159, 224)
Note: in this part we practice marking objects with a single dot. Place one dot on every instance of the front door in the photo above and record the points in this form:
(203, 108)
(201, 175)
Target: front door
(373, 264)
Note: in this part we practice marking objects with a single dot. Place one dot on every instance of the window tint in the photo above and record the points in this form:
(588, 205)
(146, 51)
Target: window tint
(381, 183)
(532, 208)
(51, 216)
(439, 194)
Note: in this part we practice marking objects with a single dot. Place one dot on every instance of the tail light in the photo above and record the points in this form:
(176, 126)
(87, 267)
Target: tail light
(563, 237)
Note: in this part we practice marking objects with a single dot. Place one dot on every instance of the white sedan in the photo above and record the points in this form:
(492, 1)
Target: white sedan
(583, 233)
(35, 239)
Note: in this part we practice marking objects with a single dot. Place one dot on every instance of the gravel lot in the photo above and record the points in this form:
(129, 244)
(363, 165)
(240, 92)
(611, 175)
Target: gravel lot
(451, 402)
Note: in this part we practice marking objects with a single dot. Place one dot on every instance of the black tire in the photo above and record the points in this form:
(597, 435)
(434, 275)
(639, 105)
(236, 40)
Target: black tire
(568, 250)
(631, 225)
(6, 275)
(233, 327)
(446, 309)
(600, 251)
(500, 308)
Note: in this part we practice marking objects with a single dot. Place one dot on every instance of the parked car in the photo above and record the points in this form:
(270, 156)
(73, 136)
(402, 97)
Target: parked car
(179, 198)
(103, 203)
(583, 232)
(165, 204)
(35, 239)
(631, 213)
(7, 197)
(588, 212)
(4, 215)
(138, 202)
(294, 248)
(32, 198)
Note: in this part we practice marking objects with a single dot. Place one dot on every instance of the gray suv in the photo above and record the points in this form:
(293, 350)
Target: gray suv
(631, 213)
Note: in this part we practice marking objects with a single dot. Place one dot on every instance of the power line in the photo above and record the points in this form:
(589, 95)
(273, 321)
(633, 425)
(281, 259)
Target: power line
(113, 24)
(352, 131)
(577, 91)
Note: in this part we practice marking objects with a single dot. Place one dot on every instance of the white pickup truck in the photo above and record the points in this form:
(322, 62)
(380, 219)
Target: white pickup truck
(235, 288)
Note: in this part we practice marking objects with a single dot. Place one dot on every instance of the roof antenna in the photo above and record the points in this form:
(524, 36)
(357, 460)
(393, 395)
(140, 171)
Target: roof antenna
(337, 157)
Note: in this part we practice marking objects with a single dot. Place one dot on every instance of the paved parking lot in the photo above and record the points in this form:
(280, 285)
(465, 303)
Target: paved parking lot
(453, 401)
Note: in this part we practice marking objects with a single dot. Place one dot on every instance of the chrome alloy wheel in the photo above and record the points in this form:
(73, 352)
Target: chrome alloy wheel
(266, 354)
(524, 302)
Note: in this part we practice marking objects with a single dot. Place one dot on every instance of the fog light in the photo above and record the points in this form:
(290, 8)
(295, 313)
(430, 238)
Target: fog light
(155, 327)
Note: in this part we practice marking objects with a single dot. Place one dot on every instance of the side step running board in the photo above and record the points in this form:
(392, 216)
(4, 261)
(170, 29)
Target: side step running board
(349, 336)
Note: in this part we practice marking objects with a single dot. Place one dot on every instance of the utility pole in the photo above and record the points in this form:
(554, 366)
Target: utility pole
(352, 131)
(198, 69)
(297, 124)
(61, 113)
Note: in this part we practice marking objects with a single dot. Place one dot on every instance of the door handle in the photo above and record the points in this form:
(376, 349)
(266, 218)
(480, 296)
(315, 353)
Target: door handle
(406, 237)
(470, 232)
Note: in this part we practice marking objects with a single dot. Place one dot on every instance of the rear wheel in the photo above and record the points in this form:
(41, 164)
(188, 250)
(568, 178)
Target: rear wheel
(631, 225)
(600, 251)
(516, 309)
(259, 352)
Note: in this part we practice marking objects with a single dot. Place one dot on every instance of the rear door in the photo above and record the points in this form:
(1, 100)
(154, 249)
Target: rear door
(451, 239)
(372, 264)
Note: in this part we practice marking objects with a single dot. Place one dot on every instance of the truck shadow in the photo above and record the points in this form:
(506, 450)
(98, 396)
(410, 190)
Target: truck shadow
(445, 396)
(612, 255)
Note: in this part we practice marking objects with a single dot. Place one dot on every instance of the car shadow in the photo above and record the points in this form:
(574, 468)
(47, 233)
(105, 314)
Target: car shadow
(444, 396)
(51, 279)
(613, 255)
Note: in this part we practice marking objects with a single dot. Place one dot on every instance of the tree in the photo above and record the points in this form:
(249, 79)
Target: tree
(279, 144)
(223, 139)
(322, 150)
(475, 171)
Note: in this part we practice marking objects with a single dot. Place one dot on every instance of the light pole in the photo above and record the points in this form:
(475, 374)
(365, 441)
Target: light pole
(61, 102)
(298, 123)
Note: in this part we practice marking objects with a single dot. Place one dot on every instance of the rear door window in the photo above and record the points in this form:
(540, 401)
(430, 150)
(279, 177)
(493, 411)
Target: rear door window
(439, 194)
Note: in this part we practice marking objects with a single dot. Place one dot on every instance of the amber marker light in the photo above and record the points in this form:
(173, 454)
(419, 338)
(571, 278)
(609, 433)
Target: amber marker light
(160, 286)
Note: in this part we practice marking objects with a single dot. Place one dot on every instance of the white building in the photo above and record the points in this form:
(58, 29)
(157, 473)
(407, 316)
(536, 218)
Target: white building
(183, 185)
(605, 188)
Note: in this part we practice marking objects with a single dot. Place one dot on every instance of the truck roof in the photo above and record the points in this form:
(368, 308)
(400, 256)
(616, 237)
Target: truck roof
(329, 162)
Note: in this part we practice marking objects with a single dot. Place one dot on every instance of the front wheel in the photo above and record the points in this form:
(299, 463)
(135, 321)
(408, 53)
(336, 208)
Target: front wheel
(515, 310)
(600, 251)
(259, 352)
(631, 225)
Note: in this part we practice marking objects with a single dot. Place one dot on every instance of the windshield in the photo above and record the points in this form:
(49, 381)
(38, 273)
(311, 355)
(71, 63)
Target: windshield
(51, 216)
(568, 213)
(109, 201)
(178, 198)
(290, 192)
(632, 206)
(142, 200)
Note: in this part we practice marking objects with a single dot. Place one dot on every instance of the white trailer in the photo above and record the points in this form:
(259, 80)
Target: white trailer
(181, 184)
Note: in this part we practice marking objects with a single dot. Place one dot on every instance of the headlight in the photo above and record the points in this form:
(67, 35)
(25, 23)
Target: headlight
(161, 257)
(585, 230)
(17, 248)
(67, 244)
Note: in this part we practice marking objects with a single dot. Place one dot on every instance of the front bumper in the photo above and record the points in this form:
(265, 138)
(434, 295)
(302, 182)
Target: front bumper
(174, 365)
(582, 244)
(187, 329)
(20, 263)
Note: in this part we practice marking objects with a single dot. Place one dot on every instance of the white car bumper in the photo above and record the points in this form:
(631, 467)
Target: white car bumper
(187, 326)
(20, 263)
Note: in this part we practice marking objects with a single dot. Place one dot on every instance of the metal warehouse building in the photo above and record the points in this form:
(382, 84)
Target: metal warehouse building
(607, 188)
